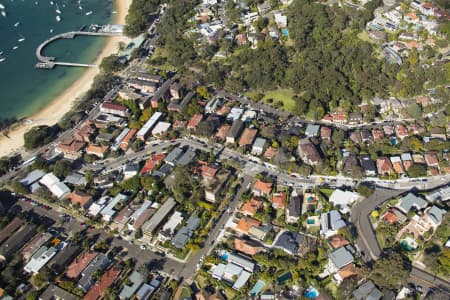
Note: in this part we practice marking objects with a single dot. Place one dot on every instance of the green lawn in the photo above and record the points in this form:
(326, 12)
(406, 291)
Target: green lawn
(326, 192)
(283, 95)
(185, 294)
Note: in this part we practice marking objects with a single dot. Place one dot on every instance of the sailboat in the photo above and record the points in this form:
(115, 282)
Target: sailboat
(58, 18)
(57, 9)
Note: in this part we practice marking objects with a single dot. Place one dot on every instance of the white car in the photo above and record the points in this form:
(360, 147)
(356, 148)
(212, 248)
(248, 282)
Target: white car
(143, 247)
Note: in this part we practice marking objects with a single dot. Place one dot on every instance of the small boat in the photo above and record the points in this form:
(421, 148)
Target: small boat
(1, 52)
(51, 2)
(2, 59)
(114, 12)
(15, 47)
(2, 6)
(51, 30)
(21, 40)
(37, 3)
(3, 13)
(17, 24)
(89, 13)
(57, 9)
(58, 18)
(79, 7)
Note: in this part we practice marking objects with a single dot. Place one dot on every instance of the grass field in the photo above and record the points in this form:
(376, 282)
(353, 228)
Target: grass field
(283, 95)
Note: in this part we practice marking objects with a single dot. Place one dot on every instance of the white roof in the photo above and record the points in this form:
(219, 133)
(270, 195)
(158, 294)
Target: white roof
(395, 159)
(343, 199)
(95, 208)
(242, 280)
(109, 211)
(59, 189)
(49, 179)
(39, 259)
(406, 156)
(141, 210)
(32, 177)
(149, 124)
(173, 222)
(161, 127)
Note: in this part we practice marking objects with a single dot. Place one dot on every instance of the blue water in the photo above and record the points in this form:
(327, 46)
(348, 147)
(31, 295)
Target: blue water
(224, 256)
(311, 293)
(257, 288)
(24, 89)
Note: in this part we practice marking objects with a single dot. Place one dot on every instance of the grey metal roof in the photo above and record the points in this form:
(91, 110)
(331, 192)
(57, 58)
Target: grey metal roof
(173, 156)
(259, 143)
(289, 242)
(186, 158)
(100, 262)
(184, 234)
(312, 130)
(160, 214)
(163, 171)
(128, 291)
(341, 257)
(145, 292)
(364, 290)
(32, 177)
(76, 179)
(55, 292)
(17, 240)
(436, 214)
(409, 201)
(63, 257)
(235, 128)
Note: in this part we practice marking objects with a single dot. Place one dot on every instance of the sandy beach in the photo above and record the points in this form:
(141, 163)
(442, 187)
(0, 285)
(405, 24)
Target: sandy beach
(56, 109)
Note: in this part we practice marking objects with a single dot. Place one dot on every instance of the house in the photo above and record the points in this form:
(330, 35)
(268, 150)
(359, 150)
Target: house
(86, 132)
(308, 152)
(70, 148)
(248, 247)
(108, 212)
(128, 139)
(99, 263)
(355, 118)
(330, 223)
(293, 211)
(337, 241)
(194, 121)
(289, 242)
(79, 264)
(185, 233)
(367, 291)
(186, 158)
(409, 201)
(312, 130)
(261, 188)
(407, 160)
(270, 153)
(384, 166)
(16, 241)
(97, 150)
(251, 207)
(393, 216)
(431, 159)
(144, 292)
(140, 215)
(343, 199)
(325, 132)
(175, 90)
(76, 179)
(56, 187)
(342, 256)
(151, 163)
(54, 292)
(161, 128)
(248, 136)
(168, 230)
(31, 178)
(63, 258)
(377, 134)
(130, 170)
(37, 242)
(145, 130)
(401, 131)
(98, 290)
(245, 223)
(173, 156)
(280, 20)
(209, 171)
(231, 273)
(397, 165)
(114, 109)
(222, 132)
(418, 158)
(235, 114)
(81, 198)
(215, 185)
(438, 133)
(149, 77)
(259, 232)
(136, 279)
(142, 85)
(339, 117)
(350, 164)
(12, 226)
(150, 226)
(39, 259)
(436, 215)
(234, 132)
(368, 165)
(279, 200)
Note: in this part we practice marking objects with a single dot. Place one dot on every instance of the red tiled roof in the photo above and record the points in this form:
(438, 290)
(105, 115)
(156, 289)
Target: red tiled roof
(248, 136)
(270, 153)
(129, 137)
(105, 282)
(245, 223)
(325, 132)
(244, 247)
(390, 217)
(431, 159)
(337, 241)
(384, 165)
(80, 198)
(151, 163)
(279, 200)
(113, 106)
(79, 264)
(209, 171)
(223, 131)
(264, 187)
(194, 121)
(96, 149)
(251, 207)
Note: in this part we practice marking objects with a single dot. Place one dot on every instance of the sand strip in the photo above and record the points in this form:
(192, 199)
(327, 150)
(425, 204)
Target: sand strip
(56, 109)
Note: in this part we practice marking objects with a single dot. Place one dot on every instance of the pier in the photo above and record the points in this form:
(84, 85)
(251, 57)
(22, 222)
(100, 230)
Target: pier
(48, 62)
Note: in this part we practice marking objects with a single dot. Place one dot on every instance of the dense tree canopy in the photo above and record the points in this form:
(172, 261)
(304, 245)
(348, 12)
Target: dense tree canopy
(139, 16)
(390, 272)
(39, 135)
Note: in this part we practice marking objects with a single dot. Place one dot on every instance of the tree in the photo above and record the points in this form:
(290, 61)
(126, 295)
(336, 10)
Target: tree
(111, 64)
(18, 187)
(346, 288)
(365, 190)
(203, 91)
(138, 234)
(39, 136)
(417, 170)
(62, 168)
(390, 272)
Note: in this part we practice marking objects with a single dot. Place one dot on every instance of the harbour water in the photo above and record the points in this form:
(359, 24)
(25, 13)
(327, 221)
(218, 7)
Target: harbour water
(24, 90)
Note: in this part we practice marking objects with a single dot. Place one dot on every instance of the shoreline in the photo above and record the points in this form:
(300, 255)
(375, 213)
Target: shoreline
(63, 103)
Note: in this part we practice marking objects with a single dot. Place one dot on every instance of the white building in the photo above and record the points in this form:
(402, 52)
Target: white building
(108, 212)
(39, 259)
(161, 128)
(168, 230)
(343, 199)
(56, 187)
(143, 132)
